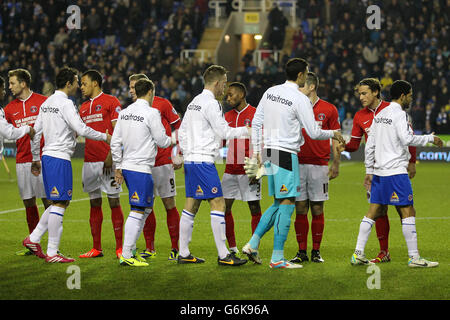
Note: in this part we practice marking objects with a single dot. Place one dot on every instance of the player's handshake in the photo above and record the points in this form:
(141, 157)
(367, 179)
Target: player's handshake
(437, 141)
(118, 176)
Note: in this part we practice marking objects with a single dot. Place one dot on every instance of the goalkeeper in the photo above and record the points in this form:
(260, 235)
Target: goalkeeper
(283, 111)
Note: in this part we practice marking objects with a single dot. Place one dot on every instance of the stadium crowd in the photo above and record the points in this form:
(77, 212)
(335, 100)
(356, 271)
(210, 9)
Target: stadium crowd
(122, 37)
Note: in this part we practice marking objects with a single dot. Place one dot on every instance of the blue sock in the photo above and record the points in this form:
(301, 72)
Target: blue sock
(265, 223)
(281, 230)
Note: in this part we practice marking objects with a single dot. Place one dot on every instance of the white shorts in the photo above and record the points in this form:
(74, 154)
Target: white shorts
(30, 186)
(95, 182)
(236, 186)
(164, 181)
(313, 182)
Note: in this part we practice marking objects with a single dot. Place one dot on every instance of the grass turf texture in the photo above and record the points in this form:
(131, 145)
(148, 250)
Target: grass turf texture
(102, 278)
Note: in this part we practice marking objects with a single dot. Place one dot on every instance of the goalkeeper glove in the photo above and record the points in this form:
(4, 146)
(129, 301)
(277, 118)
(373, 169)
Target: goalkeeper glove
(252, 170)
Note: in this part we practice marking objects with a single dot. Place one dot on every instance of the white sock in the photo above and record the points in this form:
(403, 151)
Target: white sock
(41, 227)
(364, 232)
(186, 228)
(147, 212)
(218, 228)
(410, 234)
(55, 228)
(131, 232)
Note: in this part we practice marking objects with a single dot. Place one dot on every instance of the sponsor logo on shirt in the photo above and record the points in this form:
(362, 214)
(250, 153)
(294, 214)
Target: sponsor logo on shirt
(93, 118)
(194, 107)
(49, 109)
(131, 117)
(279, 99)
(383, 120)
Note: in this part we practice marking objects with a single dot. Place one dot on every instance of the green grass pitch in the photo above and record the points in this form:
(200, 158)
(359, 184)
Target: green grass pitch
(103, 278)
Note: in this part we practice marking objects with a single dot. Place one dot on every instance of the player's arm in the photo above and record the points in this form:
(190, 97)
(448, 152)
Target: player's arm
(71, 116)
(306, 116)
(369, 158)
(356, 136)
(8, 131)
(117, 152)
(158, 131)
(36, 146)
(333, 171)
(219, 125)
(407, 136)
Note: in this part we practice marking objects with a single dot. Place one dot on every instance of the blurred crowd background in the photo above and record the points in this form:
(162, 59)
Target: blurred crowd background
(121, 37)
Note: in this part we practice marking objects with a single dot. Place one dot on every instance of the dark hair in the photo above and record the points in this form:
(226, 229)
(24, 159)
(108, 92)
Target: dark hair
(143, 86)
(294, 66)
(214, 73)
(94, 75)
(398, 88)
(240, 86)
(22, 75)
(65, 75)
(312, 78)
(373, 84)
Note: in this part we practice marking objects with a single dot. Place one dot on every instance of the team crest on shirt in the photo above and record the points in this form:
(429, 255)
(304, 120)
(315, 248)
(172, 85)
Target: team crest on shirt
(283, 189)
(394, 197)
(199, 190)
(321, 116)
(98, 107)
(54, 192)
(135, 197)
(118, 109)
(247, 122)
(33, 109)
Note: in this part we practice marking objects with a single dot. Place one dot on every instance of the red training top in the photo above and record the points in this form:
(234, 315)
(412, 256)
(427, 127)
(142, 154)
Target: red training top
(318, 151)
(169, 117)
(98, 113)
(24, 113)
(238, 149)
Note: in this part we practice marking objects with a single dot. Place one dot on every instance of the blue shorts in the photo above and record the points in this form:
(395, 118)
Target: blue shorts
(283, 176)
(202, 180)
(140, 189)
(392, 190)
(57, 177)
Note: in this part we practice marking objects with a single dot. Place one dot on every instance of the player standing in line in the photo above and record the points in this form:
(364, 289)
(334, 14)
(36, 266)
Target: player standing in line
(163, 177)
(201, 134)
(23, 111)
(7, 130)
(283, 111)
(235, 183)
(386, 160)
(59, 122)
(134, 143)
(314, 173)
(100, 113)
(369, 91)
